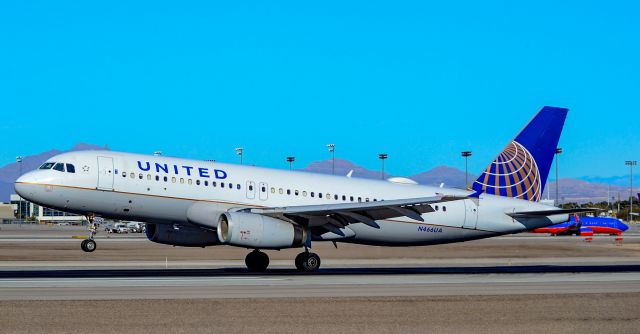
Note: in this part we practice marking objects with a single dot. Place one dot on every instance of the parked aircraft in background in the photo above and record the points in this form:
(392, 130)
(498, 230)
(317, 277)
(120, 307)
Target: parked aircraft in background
(202, 203)
(586, 226)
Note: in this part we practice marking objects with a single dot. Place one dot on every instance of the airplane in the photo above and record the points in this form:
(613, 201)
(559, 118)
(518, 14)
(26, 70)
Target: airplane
(196, 203)
(586, 226)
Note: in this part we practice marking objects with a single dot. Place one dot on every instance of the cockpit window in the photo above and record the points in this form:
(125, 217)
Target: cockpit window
(71, 168)
(47, 165)
(59, 167)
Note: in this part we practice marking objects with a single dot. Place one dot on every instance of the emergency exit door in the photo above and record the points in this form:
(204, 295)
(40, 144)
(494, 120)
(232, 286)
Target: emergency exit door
(105, 173)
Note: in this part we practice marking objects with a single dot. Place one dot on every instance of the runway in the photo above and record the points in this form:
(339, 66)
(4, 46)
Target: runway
(190, 284)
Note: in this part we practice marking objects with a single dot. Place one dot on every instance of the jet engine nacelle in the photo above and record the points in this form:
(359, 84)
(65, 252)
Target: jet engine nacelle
(179, 235)
(257, 231)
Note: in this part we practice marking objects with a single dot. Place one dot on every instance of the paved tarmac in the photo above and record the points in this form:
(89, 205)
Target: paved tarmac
(523, 283)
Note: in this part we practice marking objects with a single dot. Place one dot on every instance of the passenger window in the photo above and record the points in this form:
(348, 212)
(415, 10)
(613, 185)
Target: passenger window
(359, 199)
(133, 175)
(238, 186)
(124, 174)
(173, 179)
(444, 208)
(181, 180)
(47, 165)
(304, 193)
(189, 181)
(157, 178)
(280, 191)
(328, 196)
(288, 191)
(273, 190)
(264, 189)
(148, 177)
(230, 185)
(206, 183)
(344, 198)
(319, 195)
(351, 198)
(214, 184)
(59, 167)
(71, 168)
(140, 176)
(250, 188)
(165, 179)
(296, 192)
(197, 182)
(375, 200)
(313, 194)
(221, 184)
(437, 208)
(335, 197)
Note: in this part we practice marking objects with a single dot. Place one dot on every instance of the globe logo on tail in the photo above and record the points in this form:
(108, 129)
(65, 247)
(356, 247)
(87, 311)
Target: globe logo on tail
(514, 173)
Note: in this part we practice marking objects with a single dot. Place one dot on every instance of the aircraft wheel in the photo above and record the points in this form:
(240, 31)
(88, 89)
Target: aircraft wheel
(300, 259)
(88, 245)
(257, 261)
(311, 263)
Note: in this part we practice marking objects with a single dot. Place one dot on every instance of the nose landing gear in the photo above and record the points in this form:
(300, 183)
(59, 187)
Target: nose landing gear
(89, 245)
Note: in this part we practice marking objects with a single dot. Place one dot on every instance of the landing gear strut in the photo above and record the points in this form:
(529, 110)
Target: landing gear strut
(89, 245)
(257, 261)
(307, 262)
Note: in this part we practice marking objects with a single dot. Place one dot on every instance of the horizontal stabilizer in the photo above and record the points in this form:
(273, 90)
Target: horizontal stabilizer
(546, 213)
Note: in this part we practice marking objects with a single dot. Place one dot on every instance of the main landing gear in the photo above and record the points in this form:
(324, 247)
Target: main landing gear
(307, 262)
(258, 261)
(89, 245)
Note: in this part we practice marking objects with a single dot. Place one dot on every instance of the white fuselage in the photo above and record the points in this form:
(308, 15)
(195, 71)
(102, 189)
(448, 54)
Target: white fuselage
(157, 189)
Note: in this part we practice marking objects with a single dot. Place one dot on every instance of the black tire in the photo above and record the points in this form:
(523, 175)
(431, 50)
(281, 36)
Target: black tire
(300, 259)
(311, 263)
(83, 245)
(257, 261)
(89, 245)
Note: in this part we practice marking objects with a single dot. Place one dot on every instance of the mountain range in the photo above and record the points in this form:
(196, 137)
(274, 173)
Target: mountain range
(580, 190)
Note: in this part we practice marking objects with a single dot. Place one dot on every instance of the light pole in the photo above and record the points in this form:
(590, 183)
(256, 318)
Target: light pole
(558, 151)
(332, 149)
(239, 151)
(290, 160)
(631, 163)
(19, 160)
(382, 157)
(466, 155)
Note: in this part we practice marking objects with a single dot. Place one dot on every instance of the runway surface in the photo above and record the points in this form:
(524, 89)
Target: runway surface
(189, 284)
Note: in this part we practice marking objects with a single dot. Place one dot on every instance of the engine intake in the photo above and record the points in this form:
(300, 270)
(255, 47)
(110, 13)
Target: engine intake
(258, 231)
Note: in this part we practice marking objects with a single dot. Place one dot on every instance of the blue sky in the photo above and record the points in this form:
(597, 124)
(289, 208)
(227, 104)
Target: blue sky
(416, 80)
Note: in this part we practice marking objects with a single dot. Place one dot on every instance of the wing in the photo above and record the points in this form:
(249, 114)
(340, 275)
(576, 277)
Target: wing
(333, 217)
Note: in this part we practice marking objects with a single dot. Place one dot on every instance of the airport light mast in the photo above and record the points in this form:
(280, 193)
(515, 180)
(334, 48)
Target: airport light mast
(558, 151)
(290, 160)
(466, 155)
(19, 161)
(332, 149)
(382, 157)
(631, 163)
(239, 151)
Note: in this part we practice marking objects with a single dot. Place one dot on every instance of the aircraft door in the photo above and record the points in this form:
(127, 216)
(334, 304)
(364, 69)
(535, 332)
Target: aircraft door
(264, 191)
(105, 173)
(251, 190)
(471, 214)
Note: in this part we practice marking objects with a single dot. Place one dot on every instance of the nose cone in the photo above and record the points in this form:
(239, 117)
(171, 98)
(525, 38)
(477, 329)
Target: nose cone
(622, 226)
(22, 184)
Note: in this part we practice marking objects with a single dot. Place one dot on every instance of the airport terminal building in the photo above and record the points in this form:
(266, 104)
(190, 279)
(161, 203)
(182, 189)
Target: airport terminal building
(25, 210)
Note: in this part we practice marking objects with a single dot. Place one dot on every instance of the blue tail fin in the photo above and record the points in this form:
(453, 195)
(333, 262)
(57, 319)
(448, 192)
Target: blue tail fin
(521, 169)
